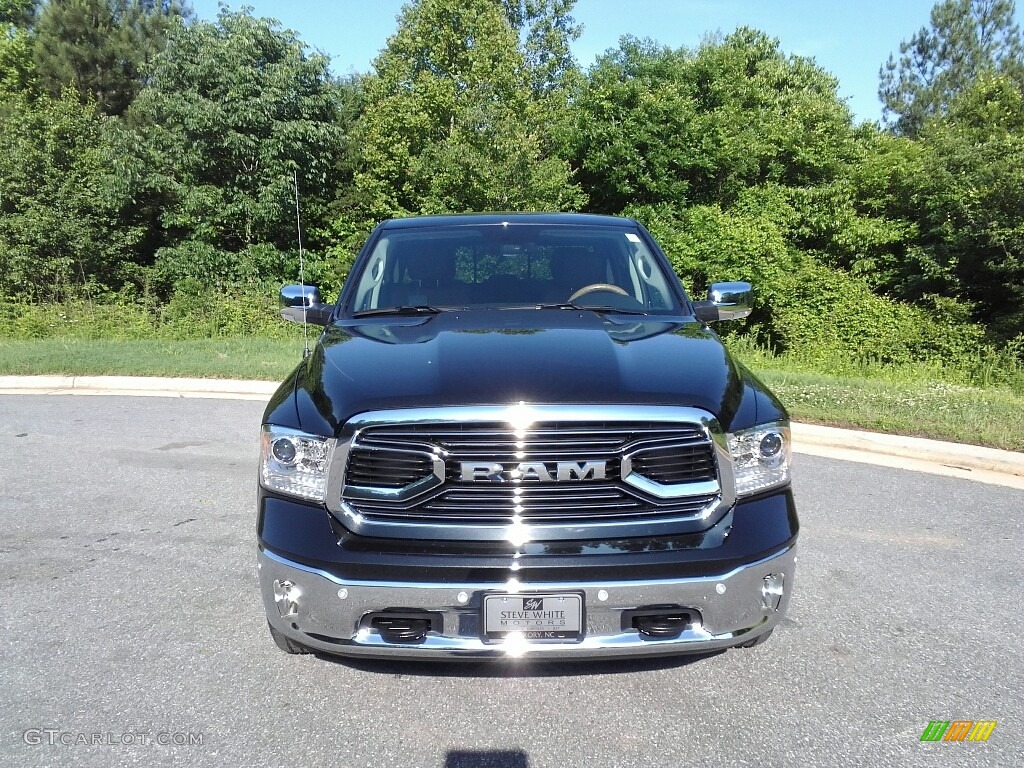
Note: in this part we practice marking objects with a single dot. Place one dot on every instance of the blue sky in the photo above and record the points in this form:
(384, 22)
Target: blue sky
(849, 38)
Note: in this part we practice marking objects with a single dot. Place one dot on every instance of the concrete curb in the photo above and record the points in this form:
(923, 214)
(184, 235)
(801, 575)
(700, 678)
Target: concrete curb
(919, 448)
(151, 386)
(807, 438)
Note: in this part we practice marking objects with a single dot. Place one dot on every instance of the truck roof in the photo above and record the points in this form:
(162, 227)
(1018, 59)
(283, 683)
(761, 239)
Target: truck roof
(476, 219)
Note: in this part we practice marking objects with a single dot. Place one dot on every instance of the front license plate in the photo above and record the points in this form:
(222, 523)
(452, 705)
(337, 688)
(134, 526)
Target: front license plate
(537, 617)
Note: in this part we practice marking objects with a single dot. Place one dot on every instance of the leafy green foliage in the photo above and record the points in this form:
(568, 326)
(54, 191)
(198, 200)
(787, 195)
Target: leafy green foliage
(62, 202)
(801, 306)
(975, 198)
(17, 72)
(193, 312)
(681, 127)
(20, 14)
(194, 261)
(955, 194)
(546, 29)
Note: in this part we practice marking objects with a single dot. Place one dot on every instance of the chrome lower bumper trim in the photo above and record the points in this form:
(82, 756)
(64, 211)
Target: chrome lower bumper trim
(324, 612)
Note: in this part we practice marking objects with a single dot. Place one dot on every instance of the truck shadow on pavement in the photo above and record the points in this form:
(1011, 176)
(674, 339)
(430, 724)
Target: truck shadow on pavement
(517, 667)
(504, 758)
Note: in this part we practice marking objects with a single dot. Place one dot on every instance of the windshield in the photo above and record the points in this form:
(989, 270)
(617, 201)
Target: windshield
(512, 265)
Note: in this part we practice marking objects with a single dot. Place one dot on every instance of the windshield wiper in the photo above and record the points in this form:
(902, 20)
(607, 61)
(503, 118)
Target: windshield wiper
(405, 309)
(593, 308)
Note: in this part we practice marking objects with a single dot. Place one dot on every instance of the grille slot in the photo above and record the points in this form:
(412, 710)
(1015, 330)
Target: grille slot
(676, 464)
(381, 468)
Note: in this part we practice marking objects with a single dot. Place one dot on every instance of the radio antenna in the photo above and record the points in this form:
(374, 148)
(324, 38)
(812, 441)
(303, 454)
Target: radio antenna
(302, 266)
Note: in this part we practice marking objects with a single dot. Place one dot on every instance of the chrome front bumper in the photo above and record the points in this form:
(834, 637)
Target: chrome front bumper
(324, 612)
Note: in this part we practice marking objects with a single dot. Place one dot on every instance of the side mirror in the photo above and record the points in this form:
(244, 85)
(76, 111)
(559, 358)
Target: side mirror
(299, 300)
(726, 301)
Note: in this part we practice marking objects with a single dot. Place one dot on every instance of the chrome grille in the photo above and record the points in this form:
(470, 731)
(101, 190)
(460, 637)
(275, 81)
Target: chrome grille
(394, 456)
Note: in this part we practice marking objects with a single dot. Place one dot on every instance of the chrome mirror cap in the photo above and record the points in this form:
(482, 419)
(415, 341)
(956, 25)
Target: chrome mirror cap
(726, 301)
(300, 295)
(304, 302)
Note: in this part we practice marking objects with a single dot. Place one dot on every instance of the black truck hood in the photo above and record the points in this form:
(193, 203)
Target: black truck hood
(498, 357)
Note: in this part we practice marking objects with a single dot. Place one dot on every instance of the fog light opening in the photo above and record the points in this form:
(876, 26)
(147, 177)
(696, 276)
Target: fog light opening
(403, 626)
(401, 629)
(772, 590)
(660, 622)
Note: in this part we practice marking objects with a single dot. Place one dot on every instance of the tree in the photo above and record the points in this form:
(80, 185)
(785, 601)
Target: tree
(102, 47)
(18, 13)
(63, 201)
(680, 127)
(546, 30)
(17, 71)
(966, 39)
(972, 199)
(459, 113)
(231, 111)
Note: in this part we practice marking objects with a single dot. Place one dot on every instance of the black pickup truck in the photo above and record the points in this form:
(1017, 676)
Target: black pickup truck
(517, 436)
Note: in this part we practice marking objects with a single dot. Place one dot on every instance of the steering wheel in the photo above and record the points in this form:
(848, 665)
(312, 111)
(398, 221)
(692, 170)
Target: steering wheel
(596, 287)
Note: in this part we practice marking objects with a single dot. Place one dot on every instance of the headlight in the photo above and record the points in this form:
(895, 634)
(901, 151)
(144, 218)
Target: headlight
(761, 457)
(295, 463)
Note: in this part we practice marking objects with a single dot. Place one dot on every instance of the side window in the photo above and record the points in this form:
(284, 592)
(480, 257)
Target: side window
(368, 290)
(637, 289)
(646, 269)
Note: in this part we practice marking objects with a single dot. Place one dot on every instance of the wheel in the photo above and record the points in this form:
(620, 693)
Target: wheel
(285, 644)
(596, 287)
(759, 640)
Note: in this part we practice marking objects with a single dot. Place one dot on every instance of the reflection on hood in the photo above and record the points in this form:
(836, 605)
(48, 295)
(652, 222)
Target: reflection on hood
(494, 357)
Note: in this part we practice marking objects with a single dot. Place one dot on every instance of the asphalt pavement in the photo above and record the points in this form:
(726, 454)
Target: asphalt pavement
(131, 618)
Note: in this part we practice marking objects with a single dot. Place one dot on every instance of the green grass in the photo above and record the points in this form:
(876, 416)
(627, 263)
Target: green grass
(237, 358)
(991, 416)
(920, 401)
(975, 403)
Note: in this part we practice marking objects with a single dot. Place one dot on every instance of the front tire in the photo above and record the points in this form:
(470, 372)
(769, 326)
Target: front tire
(284, 643)
(759, 640)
